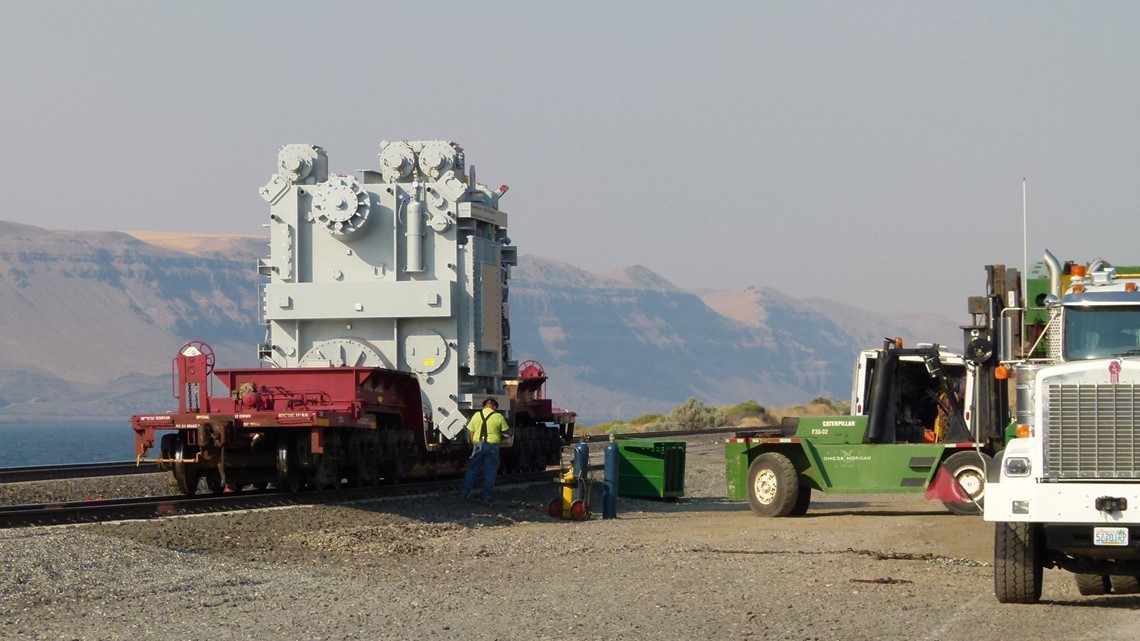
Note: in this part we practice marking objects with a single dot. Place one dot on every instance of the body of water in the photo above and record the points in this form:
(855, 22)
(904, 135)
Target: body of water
(65, 442)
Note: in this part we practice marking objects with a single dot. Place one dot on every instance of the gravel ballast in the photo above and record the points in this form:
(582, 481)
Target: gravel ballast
(436, 567)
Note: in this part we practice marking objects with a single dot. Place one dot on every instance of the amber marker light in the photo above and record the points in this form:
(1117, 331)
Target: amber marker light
(1078, 289)
(1077, 271)
(1022, 430)
(1129, 287)
(1001, 372)
(898, 342)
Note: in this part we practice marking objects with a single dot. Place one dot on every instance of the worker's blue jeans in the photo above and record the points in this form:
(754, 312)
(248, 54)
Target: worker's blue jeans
(484, 459)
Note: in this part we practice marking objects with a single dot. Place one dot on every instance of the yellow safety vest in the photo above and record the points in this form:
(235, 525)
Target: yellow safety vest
(486, 428)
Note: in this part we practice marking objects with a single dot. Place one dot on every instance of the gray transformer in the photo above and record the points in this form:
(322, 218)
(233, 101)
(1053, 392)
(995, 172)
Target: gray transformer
(404, 268)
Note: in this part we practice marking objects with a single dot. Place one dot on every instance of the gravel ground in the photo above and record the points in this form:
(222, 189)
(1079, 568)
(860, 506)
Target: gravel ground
(108, 487)
(435, 567)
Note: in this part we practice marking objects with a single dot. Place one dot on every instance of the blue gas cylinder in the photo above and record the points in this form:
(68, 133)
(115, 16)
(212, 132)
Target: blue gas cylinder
(610, 488)
(582, 471)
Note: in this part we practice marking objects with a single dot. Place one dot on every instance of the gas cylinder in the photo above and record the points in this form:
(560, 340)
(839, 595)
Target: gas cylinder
(610, 488)
(582, 460)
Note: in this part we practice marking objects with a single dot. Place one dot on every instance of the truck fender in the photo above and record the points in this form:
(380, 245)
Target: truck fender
(993, 473)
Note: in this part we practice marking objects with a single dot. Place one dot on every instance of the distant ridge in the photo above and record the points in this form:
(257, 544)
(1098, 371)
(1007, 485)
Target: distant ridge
(92, 319)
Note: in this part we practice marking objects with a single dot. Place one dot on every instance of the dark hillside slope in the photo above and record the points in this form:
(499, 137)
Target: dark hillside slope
(91, 321)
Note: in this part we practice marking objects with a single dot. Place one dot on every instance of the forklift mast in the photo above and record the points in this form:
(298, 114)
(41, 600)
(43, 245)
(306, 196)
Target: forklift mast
(993, 336)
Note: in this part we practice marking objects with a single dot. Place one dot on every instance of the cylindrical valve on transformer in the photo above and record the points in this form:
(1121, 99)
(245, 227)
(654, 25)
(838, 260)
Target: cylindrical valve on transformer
(416, 222)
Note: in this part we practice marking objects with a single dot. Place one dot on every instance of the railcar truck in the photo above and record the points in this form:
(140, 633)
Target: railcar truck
(923, 420)
(1065, 493)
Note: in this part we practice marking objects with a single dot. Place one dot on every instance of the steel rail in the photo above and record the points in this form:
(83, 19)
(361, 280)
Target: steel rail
(73, 471)
(121, 468)
(13, 516)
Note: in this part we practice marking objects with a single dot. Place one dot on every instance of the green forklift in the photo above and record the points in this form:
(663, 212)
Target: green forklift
(924, 420)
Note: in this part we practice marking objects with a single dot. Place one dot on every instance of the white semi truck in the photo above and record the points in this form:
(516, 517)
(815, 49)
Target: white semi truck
(1065, 492)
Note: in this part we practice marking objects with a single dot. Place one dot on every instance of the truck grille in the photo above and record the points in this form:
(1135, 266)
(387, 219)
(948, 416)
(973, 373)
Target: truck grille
(1092, 432)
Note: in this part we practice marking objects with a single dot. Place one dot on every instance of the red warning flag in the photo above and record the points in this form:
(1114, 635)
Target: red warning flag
(945, 487)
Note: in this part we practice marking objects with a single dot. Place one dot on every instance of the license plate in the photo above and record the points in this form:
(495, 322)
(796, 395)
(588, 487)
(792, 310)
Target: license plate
(1110, 536)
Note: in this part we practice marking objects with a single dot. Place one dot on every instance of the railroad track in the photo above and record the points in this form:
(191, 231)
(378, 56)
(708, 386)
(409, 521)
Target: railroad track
(154, 507)
(73, 471)
(121, 468)
(60, 513)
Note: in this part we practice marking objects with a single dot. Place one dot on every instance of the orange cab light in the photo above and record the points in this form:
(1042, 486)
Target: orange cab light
(1078, 289)
(1001, 372)
(1022, 430)
(898, 342)
(1129, 287)
(1077, 271)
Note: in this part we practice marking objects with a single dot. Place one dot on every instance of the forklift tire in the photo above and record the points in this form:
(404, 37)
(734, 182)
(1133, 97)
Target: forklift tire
(968, 468)
(1124, 584)
(803, 500)
(1092, 584)
(773, 485)
(1018, 563)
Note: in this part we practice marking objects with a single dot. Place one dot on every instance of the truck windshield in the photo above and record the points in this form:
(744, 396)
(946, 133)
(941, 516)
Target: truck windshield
(1101, 332)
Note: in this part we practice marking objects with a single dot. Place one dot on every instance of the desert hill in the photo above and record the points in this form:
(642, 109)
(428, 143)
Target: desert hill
(91, 320)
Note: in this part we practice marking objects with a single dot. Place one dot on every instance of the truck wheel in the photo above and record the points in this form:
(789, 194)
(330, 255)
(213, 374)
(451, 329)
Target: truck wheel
(1092, 584)
(773, 485)
(1124, 584)
(968, 469)
(1018, 567)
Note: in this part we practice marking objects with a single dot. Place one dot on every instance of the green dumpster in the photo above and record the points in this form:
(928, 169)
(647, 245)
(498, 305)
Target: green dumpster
(651, 469)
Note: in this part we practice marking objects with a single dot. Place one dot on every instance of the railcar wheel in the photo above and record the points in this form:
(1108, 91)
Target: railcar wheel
(325, 474)
(364, 469)
(288, 469)
(1018, 566)
(1092, 584)
(166, 446)
(773, 485)
(326, 467)
(186, 475)
(532, 456)
(214, 483)
(968, 469)
(1123, 584)
(394, 471)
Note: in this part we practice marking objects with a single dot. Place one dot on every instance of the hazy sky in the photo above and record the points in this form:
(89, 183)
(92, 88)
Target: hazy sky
(868, 152)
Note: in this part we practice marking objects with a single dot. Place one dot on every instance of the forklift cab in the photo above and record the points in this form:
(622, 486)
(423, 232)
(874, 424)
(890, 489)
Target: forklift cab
(911, 395)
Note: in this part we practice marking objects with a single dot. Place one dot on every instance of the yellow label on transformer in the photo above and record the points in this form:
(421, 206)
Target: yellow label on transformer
(428, 362)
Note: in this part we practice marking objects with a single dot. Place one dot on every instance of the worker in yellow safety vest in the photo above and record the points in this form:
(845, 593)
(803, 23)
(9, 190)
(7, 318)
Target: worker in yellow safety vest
(486, 428)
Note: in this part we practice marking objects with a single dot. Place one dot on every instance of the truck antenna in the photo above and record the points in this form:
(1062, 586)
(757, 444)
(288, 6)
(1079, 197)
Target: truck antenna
(1025, 243)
